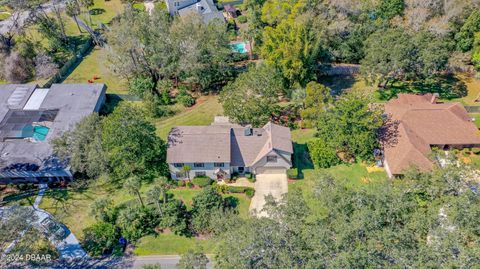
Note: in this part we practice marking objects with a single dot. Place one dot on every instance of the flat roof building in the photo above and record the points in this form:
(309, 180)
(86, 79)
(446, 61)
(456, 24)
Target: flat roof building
(30, 117)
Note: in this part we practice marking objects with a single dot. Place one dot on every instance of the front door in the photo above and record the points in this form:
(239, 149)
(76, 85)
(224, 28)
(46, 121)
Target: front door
(241, 170)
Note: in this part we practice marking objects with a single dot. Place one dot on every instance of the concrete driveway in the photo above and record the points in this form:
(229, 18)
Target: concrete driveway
(271, 181)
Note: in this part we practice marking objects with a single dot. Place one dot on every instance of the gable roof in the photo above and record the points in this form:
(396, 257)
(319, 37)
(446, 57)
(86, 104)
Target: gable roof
(420, 123)
(205, 8)
(221, 142)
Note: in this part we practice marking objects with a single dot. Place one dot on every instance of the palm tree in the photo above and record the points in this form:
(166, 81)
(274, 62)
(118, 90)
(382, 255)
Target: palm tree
(133, 185)
(186, 169)
(72, 9)
(153, 196)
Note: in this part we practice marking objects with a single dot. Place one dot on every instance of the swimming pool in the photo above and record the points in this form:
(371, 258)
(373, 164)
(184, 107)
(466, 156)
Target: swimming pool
(239, 47)
(38, 133)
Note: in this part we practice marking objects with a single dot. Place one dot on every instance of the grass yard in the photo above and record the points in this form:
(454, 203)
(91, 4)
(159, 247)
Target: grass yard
(95, 64)
(473, 86)
(168, 244)
(186, 195)
(355, 175)
(101, 13)
(4, 15)
(202, 113)
(72, 207)
(476, 116)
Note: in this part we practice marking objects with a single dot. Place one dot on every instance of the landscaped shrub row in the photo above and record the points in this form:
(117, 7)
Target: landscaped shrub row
(202, 181)
(237, 189)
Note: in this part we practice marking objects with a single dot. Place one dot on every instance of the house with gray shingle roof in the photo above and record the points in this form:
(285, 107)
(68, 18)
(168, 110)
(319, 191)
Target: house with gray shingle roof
(223, 148)
(205, 8)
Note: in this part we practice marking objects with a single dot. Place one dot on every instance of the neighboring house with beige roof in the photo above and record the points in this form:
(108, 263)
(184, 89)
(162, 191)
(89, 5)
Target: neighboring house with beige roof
(223, 148)
(419, 123)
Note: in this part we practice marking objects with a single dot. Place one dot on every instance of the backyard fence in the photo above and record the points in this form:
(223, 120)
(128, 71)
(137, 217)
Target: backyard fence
(70, 65)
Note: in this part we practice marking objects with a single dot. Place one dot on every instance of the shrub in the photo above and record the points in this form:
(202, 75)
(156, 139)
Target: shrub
(236, 189)
(136, 222)
(242, 19)
(250, 192)
(202, 181)
(234, 175)
(180, 183)
(248, 175)
(100, 238)
(221, 188)
(476, 151)
(186, 100)
(292, 173)
(189, 184)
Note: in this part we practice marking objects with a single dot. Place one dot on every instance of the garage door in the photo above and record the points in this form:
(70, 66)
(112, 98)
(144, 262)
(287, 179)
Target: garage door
(271, 170)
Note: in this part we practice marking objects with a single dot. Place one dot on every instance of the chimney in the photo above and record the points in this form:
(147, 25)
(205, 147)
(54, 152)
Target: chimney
(248, 131)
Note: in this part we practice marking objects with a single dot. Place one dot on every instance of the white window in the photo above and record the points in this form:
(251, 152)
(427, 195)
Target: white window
(218, 164)
(271, 159)
(178, 165)
(198, 165)
(178, 174)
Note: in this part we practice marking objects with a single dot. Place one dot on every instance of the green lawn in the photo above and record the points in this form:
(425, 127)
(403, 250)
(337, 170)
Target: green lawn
(186, 195)
(101, 13)
(4, 16)
(72, 207)
(95, 64)
(168, 244)
(202, 113)
(355, 175)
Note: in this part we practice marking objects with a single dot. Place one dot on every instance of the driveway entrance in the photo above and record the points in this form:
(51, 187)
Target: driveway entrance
(271, 181)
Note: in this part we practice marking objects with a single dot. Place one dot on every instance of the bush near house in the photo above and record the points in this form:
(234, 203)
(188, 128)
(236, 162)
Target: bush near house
(202, 181)
(242, 19)
(237, 189)
(292, 173)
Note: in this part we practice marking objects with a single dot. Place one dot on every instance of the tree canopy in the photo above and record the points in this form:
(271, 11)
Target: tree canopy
(159, 47)
(252, 97)
(131, 144)
(349, 130)
(427, 220)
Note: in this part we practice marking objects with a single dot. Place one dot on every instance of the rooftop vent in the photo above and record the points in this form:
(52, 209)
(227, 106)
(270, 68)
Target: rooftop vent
(248, 131)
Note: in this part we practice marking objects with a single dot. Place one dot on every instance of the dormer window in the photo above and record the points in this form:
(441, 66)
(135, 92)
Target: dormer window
(271, 159)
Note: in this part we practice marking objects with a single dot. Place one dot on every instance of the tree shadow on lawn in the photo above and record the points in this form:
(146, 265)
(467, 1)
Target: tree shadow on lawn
(97, 11)
(448, 87)
(338, 84)
(301, 159)
(63, 198)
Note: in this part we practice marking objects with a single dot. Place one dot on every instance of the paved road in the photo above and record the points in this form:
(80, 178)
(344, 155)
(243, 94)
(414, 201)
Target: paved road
(165, 261)
(270, 182)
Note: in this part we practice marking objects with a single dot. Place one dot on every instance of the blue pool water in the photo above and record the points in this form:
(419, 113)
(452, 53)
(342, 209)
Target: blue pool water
(38, 133)
(239, 47)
